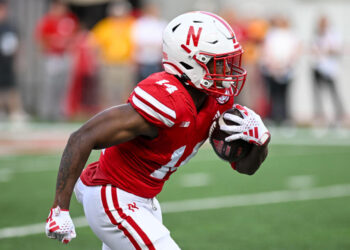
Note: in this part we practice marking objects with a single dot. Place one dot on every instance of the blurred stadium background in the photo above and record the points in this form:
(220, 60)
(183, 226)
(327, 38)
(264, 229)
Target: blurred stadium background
(302, 15)
(298, 200)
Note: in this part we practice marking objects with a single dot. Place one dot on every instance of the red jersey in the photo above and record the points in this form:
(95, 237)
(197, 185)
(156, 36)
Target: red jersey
(142, 165)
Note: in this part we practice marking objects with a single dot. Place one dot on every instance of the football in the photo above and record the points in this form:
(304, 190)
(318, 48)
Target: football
(229, 151)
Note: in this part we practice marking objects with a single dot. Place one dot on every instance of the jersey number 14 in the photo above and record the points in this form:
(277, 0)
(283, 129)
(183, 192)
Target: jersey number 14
(167, 169)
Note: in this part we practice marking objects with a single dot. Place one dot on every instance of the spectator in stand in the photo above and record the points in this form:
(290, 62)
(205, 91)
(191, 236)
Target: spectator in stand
(10, 102)
(113, 37)
(55, 33)
(326, 50)
(147, 53)
(279, 53)
(82, 96)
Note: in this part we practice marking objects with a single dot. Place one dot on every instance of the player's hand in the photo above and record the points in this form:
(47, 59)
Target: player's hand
(250, 128)
(59, 225)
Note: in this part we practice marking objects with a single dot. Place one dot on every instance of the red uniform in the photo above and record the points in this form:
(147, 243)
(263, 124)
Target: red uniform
(141, 166)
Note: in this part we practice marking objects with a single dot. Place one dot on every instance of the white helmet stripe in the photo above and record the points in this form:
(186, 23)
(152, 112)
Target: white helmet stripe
(228, 27)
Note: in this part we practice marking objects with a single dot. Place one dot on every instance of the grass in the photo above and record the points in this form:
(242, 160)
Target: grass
(27, 186)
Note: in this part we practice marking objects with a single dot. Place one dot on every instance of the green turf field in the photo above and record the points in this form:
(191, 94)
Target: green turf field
(299, 199)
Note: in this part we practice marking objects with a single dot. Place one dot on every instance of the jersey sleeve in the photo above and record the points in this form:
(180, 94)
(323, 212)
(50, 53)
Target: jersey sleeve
(155, 104)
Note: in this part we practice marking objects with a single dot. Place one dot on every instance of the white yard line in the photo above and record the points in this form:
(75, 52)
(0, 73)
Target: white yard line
(257, 199)
(274, 197)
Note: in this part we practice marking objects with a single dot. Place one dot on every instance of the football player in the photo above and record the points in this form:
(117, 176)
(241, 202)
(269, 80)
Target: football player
(161, 127)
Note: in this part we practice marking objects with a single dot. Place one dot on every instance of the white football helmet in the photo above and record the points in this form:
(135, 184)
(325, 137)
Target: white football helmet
(193, 39)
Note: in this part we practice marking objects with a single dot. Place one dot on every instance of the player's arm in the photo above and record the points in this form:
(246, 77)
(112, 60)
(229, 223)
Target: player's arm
(110, 127)
(251, 163)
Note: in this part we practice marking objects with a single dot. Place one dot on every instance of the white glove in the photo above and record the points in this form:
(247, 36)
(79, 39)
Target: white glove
(250, 128)
(59, 225)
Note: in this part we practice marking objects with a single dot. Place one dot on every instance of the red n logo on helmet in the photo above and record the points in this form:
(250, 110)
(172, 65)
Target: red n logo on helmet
(194, 36)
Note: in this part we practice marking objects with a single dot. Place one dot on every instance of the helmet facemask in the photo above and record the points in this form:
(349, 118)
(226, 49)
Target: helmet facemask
(222, 72)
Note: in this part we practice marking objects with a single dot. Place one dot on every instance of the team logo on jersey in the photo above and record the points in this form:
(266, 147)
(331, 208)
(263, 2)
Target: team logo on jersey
(132, 206)
(224, 98)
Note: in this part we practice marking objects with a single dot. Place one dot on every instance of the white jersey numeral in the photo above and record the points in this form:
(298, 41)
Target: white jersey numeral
(161, 82)
(170, 166)
(170, 88)
(175, 157)
(194, 152)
